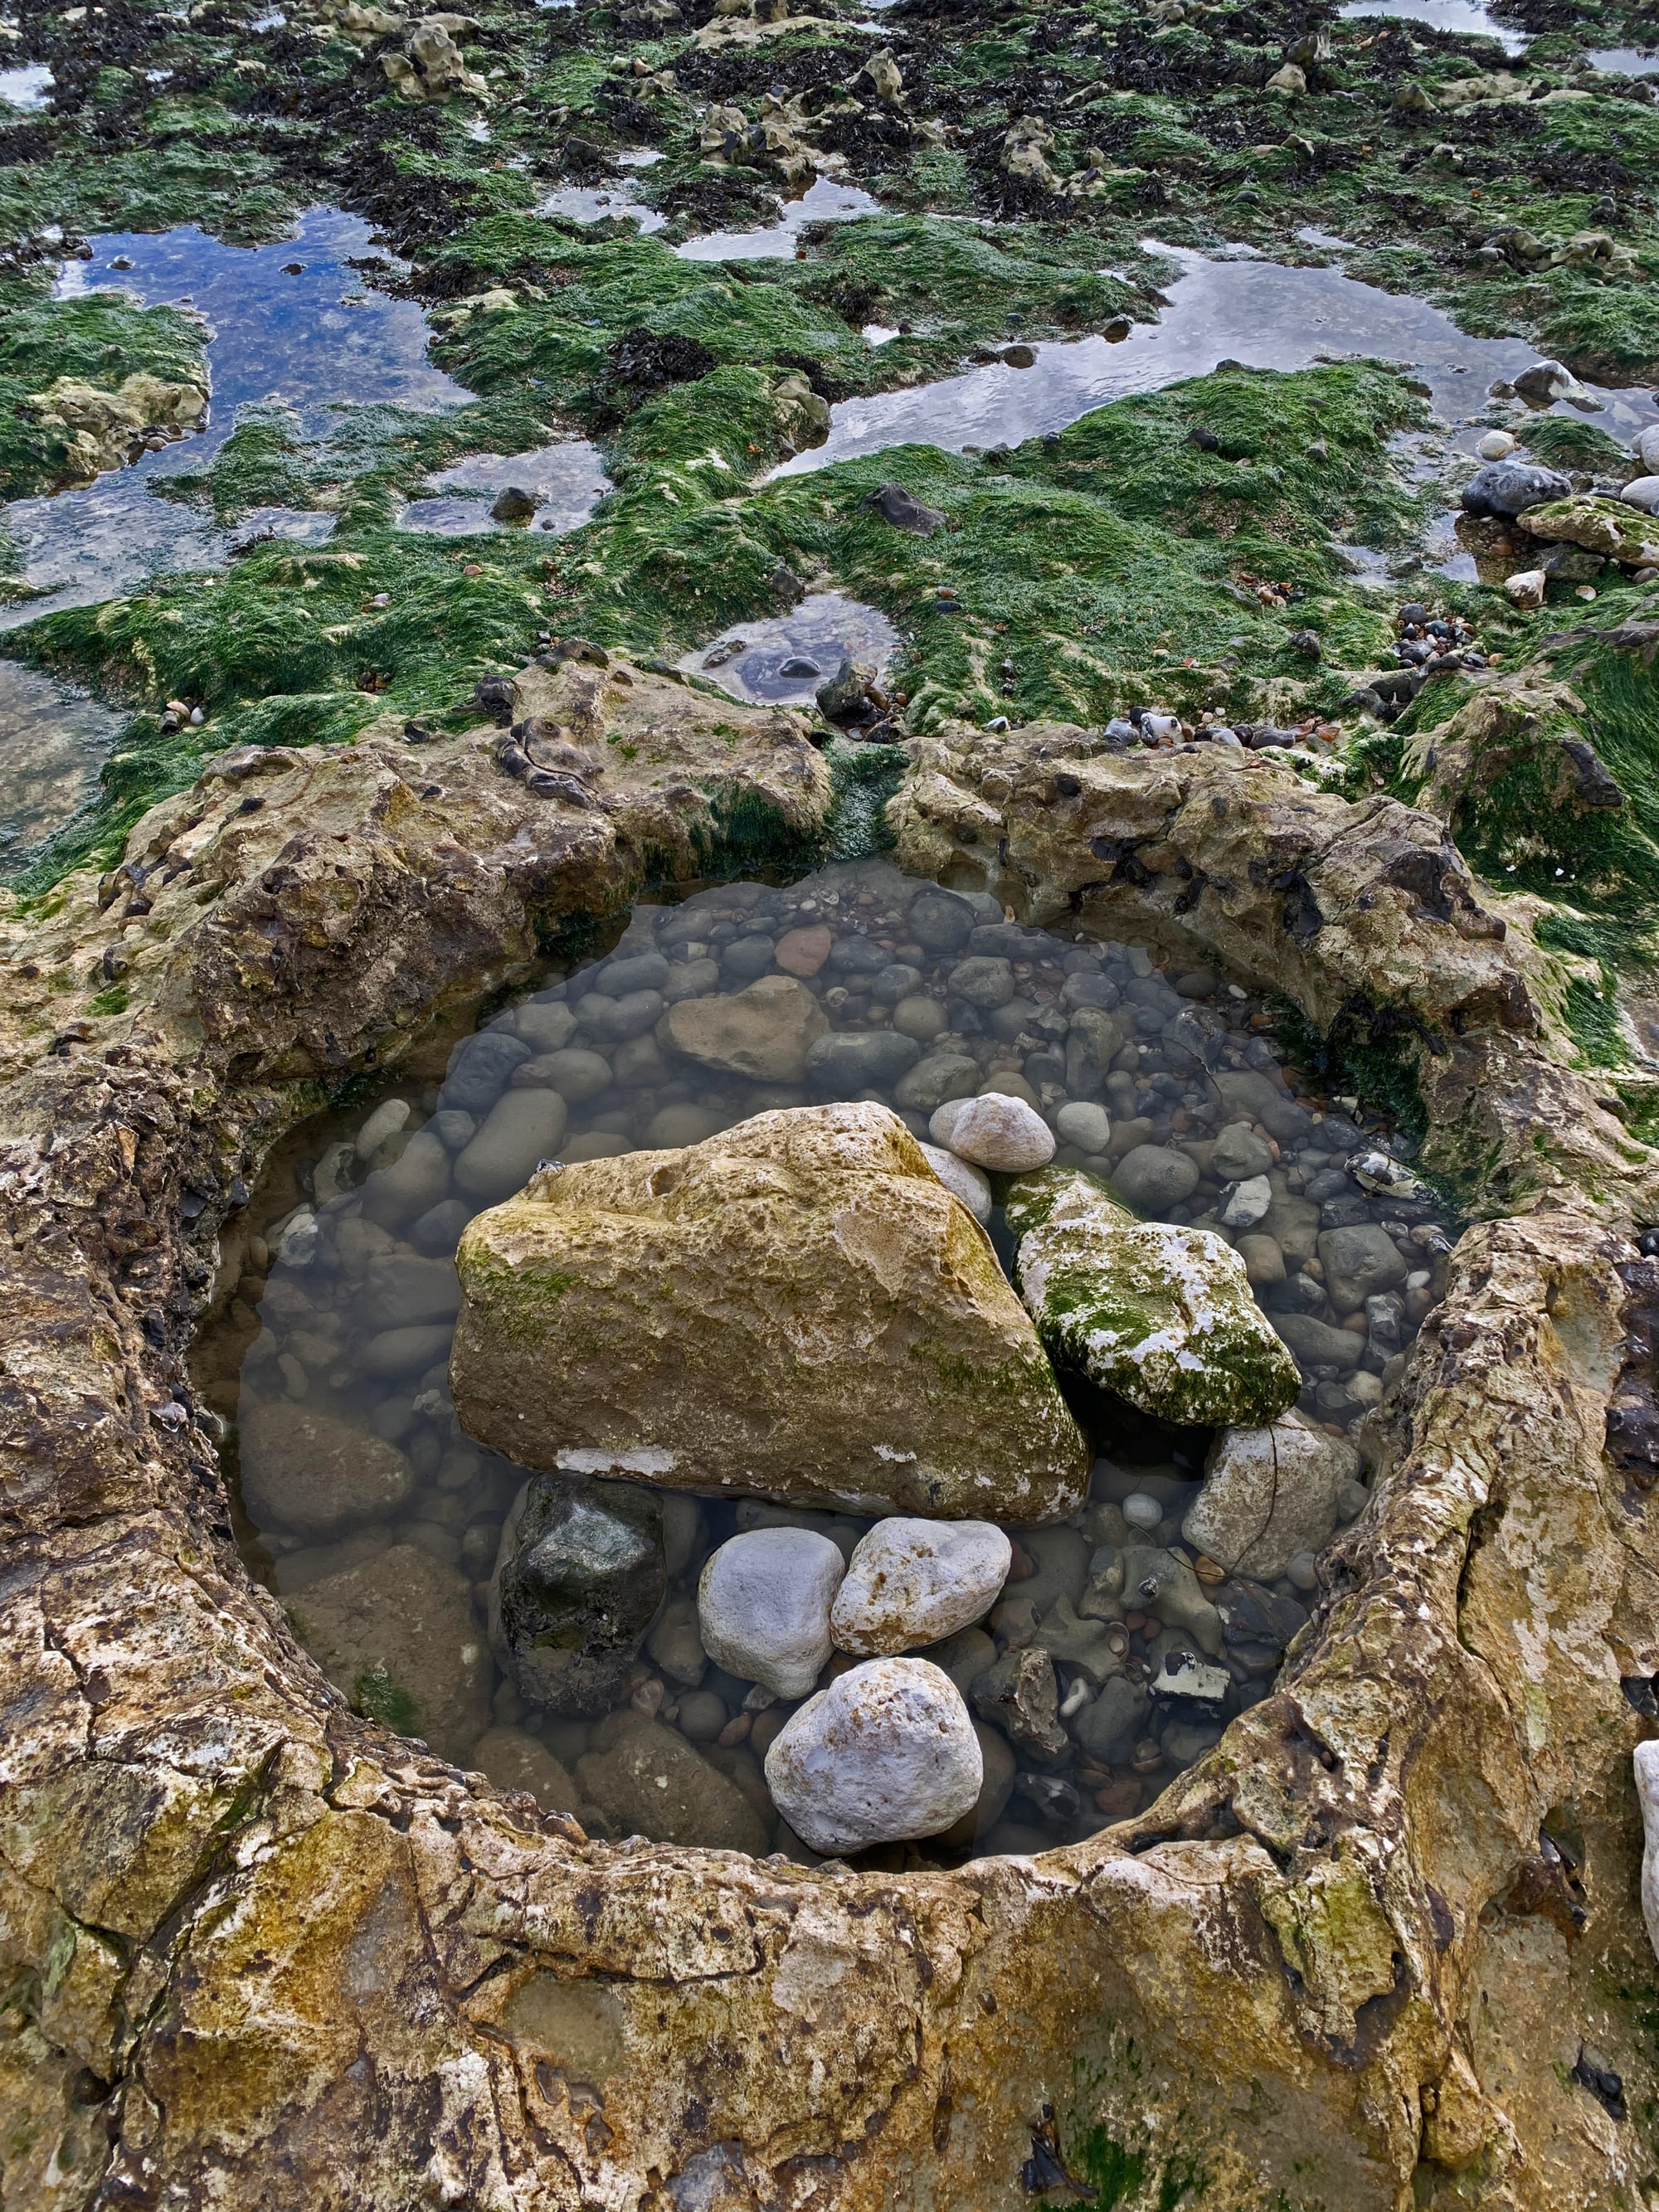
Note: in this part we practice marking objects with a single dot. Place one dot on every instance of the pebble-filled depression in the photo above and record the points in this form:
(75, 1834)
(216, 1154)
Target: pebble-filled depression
(1096, 1656)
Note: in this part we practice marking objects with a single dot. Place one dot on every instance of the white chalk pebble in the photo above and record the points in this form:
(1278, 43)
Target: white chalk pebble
(996, 1131)
(911, 1582)
(763, 1607)
(968, 1183)
(887, 1752)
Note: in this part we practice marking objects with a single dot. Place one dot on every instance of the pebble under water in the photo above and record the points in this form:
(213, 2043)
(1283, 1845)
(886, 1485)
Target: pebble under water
(378, 1520)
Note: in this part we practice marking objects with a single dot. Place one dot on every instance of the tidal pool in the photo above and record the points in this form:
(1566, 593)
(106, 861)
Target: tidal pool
(380, 1522)
(313, 340)
(824, 201)
(1260, 313)
(1623, 61)
(52, 743)
(568, 482)
(1467, 17)
(784, 660)
(29, 87)
(598, 203)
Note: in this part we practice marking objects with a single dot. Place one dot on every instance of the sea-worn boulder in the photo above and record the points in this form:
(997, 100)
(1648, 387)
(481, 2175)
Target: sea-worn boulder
(1161, 1315)
(764, 1606)
(1600, 525)
(1269, 1493)
(796, 1307)
(887, 1752)
(912, 1583)
(399, 1636)
(579, 1577)
(308, 1470)
(764, 1032)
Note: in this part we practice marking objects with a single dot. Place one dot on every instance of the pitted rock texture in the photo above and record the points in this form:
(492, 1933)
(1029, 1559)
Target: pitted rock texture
(1349, 1959)
(796, 1307)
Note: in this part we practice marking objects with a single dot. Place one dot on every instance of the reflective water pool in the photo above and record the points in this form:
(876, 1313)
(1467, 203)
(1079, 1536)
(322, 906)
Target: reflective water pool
(824, 201)
(1256, 312)
(52, 743)
(1110, 1649)
(1468, 17)
(786, 659)
(567, 482)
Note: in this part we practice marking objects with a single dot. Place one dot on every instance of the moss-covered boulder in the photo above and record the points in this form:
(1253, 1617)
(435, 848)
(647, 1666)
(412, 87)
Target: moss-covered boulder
(1158, 1314)
(797, 1308)
(1600, 525)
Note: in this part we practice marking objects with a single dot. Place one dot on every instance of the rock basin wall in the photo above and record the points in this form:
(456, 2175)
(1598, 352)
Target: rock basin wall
(1381, 1946)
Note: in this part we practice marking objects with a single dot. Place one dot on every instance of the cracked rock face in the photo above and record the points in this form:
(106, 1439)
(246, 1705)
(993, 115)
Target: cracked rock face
(1355, 1956)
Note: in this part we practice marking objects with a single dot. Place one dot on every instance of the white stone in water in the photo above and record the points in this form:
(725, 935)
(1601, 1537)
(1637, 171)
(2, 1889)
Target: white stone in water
(763, 1607)
(1251, 1199)
(1082, 1123)
(388, 1117)
(999, 1132)
(887, 1752)
(944, 1119)
(1643, 492)
(912, 1583)
(967, 1182)
(1646, 1756)
(1141, 1511)
(1495, 446)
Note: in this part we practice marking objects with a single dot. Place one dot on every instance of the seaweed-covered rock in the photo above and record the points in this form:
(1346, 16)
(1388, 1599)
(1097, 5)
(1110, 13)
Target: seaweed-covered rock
(796, 1307)
(579, 1578)
(1606, 527)
(1161, 1315)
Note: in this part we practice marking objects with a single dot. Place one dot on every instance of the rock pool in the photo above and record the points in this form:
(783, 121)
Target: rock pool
(1114, 1645)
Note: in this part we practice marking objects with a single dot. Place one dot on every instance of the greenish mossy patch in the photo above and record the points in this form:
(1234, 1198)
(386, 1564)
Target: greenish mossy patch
(378, 1697)
(101, 338)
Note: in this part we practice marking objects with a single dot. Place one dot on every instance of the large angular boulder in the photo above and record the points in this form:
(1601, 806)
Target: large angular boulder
(1269, 1494)
(1158, 1314)
(796, 1307)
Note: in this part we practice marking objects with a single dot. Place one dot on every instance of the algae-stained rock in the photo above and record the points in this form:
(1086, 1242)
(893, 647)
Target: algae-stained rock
(651, 1782)
(1159, 1315)
(1600, 525)
(399, 1636)
(579, 1575)
(796, 1307)
(308, 1470)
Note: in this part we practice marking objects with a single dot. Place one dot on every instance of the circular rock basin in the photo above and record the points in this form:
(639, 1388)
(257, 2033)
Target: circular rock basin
(1123, 1632)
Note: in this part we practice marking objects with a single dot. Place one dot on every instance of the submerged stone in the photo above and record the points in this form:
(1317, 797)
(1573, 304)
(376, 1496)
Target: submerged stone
(648, 1781)
(1163, 1316)
(399, 1636)
(578, 1581)
(316, 1474)
(796, 1308)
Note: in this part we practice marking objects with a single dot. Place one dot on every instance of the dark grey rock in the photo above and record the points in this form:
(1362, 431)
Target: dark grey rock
(941, 921)
(439, 1231)
(1020, 1696)
(479, 1069)
(848, 1062)
(1510, 488)
(582, 1574)
(903, 511)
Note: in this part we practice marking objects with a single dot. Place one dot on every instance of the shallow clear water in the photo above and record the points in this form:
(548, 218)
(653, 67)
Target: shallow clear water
(1625, 61)
(344, 1297)
(1256, 312)
(811, 642)
(275, 337)
(568, 482)
(28, 87)
(824, 201)
(598, 202)
(53, 742)
(1467, 17)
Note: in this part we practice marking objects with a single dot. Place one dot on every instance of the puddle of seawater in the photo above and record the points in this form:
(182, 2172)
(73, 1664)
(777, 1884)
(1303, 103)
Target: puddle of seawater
(1257, 312)
(824, 201)
(52, 743)
(1466, 17)
(341, 1318)
(275, 337)
(1623, 61)
(569, 480)
(637, 157)
(879, 334)
(29, 87)
(826, 629)
(1311, 234)
(599, 203)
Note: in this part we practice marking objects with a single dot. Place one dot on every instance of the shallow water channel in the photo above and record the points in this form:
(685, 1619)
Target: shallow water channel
(379, 1520)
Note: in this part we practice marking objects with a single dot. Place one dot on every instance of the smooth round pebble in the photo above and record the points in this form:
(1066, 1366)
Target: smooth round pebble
(1495, 446)
(1152, 1178)
(1082, 1123)
(1303, 1571)
(521, 1127)
(996, 1131)
(763, 1604)
(1141, 1511)
(911, 1583)
(886, 1752)
(968, 1183)
(1643, 492)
